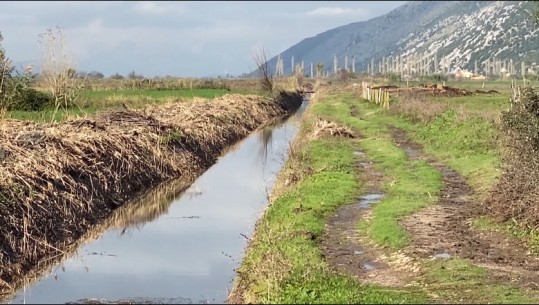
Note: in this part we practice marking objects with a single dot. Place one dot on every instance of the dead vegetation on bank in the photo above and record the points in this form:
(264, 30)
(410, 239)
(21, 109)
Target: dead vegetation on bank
(514, 198)
(59, 180)
(325, 128)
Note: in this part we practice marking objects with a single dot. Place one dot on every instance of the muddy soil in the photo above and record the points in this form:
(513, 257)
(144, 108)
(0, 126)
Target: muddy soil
(349, 252)
(442, 230)
(447, 227)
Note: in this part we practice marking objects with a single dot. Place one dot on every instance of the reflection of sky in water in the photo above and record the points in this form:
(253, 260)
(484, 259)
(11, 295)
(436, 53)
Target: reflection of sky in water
(174, 256)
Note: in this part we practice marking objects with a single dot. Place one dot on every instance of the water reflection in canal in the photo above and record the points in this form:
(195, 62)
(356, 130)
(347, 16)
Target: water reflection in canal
(176, 245)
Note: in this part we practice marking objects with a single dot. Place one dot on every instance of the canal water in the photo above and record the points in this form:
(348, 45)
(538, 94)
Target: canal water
(175, 246)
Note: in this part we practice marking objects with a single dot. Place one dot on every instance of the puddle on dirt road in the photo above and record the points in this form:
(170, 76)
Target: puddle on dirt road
(369, 199)
(358, 153)
(442, 256)
(180, 248)
(368, 266)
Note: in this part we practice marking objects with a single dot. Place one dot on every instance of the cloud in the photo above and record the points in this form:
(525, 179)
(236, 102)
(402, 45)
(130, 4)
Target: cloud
(175, 38)
(156, 8)
(338, 11)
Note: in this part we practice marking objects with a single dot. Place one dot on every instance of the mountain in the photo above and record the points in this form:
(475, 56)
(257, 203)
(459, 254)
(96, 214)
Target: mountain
(429, 36)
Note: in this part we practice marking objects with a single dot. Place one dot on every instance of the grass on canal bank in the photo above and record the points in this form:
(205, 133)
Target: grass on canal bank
(284, 264)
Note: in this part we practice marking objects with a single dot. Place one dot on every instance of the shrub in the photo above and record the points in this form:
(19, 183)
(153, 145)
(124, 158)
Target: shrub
(434, 78)
(32, 100)
(515, 195)
(392, 77)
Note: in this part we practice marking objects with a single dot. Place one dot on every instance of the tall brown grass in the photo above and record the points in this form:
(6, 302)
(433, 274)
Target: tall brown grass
(59, 180)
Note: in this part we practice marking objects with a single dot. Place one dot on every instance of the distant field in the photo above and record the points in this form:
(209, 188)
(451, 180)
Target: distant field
(92, 101)
(503, 86)
(95, 101)
(96, 96)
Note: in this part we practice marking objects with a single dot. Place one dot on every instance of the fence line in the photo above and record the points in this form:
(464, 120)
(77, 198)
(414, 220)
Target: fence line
(375, 94)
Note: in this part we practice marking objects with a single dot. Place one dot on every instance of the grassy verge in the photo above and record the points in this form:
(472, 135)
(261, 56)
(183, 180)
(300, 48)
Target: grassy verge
(283, 263)
(465, 140)
(410, 185)
(460, 281)
(460, 131)
(463, 133)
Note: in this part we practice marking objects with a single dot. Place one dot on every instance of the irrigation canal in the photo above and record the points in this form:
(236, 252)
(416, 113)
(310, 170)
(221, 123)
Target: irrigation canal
(183, 249)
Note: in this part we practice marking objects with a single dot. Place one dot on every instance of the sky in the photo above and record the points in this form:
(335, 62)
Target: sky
(176, 38)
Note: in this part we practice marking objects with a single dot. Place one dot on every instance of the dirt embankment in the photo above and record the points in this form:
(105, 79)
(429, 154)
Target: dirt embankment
(430, 90)
(57, 181)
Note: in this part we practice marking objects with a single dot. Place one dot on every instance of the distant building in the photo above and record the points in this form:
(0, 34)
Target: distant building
(463, 73)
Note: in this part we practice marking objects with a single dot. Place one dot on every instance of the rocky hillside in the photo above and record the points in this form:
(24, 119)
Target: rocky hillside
(424, 37)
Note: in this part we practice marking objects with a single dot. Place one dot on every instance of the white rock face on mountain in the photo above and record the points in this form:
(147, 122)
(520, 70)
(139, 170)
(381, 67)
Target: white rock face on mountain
(486, 37)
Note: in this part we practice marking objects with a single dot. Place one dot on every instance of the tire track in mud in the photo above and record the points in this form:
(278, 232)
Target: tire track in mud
(348, 252)
(446, 227)
(439, 230)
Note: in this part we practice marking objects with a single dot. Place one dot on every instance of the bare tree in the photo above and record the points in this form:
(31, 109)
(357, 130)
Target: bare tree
(298, 75)
(58, 74)
(319, 70)
(343, 75)
(266, 77)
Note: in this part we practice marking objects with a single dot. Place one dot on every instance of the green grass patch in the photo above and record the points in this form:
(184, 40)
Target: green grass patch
(46, 116)
(510, 229)
(410, 185)
(284, 262)
(460, 137)
(461, 281)
(468, 146)
(96, 96)
(320, 288)
(498, 102)
(173, 137)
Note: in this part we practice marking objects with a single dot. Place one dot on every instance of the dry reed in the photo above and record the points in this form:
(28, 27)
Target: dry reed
(60, 180)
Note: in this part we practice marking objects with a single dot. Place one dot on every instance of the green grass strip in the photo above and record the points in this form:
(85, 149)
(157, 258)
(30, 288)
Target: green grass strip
(284, 263)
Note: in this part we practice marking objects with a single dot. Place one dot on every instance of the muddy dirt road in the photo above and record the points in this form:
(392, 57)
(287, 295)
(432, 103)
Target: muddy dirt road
(439, 231)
